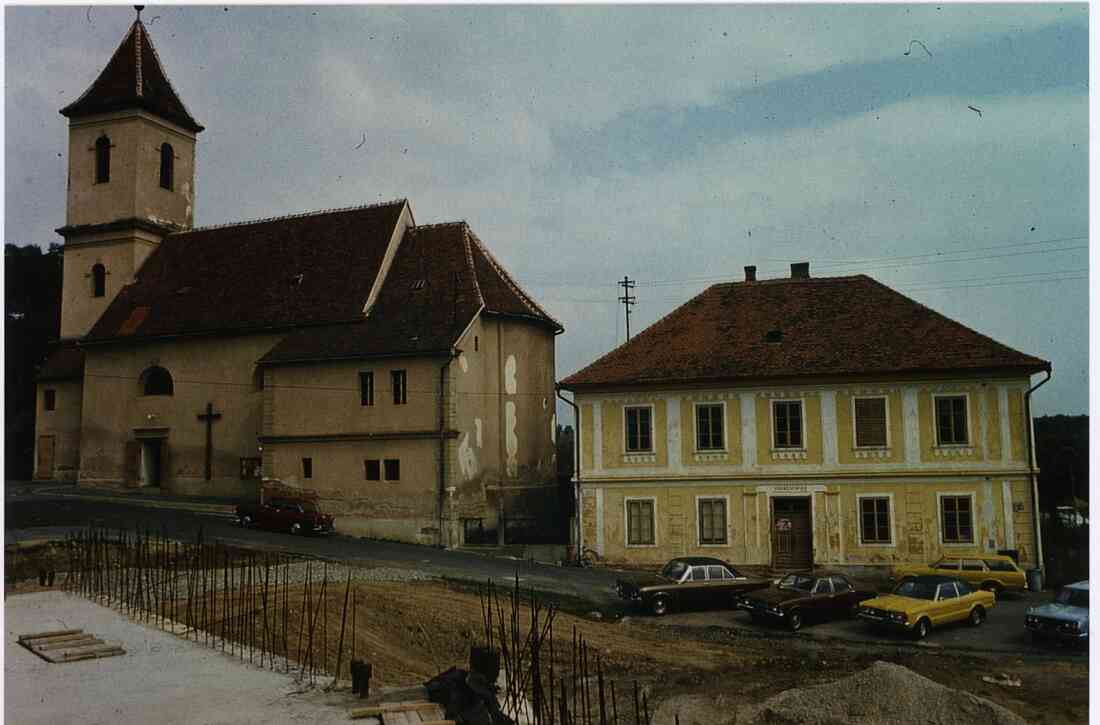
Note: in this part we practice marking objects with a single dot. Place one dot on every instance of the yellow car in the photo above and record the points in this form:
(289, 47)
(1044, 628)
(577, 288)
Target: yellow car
(992, 572)
(923, 602)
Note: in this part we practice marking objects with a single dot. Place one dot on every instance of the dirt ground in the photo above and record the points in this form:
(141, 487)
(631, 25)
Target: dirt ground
(412, 631)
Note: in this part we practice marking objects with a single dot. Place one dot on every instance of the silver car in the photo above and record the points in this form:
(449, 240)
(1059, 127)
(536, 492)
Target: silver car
(1065, 618)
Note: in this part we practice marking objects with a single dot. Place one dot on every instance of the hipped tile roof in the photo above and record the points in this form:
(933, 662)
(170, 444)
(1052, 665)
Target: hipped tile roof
(133, 79)
(441, 277)
(831, 326)
(272, 274)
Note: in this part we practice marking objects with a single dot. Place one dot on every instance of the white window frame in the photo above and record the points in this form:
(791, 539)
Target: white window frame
(936, 423)
(652, 429)
(859, 521)
(855, 437)
(973, 523)
(698, 521)
(626, 522)
(802, 422)
(695, 426)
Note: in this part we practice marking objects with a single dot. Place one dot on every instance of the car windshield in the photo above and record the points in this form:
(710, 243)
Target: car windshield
(916, 590)
(310, 507)
(1073, 597)
(796, 581)
(674, 570)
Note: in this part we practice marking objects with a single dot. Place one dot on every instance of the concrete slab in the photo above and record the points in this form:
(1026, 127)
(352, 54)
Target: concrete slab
(161, 678)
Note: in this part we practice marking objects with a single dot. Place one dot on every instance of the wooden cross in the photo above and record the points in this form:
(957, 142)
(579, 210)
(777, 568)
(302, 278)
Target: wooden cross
(209, 417)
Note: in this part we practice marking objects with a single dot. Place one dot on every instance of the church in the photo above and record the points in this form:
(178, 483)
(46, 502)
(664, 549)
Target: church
(395, 369)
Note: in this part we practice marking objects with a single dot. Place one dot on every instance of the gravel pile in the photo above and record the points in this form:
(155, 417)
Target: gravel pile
(883, 693)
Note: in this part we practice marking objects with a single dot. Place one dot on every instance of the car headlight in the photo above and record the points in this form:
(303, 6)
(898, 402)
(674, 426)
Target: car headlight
(1032, 619)
(775, 610)
(898, 616)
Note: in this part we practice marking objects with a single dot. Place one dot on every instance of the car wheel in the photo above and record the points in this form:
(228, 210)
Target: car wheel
(659, 606)
(977, 616)
(921, 630)
(246, 521)
(794, 620)
(295, 528)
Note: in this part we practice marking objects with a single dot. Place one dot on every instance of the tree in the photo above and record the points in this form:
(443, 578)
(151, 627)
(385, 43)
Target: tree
(32, 322)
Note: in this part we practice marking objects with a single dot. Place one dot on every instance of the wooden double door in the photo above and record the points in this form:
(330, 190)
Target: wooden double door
(792, 533)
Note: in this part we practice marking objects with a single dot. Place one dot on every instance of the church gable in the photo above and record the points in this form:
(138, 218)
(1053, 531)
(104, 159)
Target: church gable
(267, 275)
(441, 277)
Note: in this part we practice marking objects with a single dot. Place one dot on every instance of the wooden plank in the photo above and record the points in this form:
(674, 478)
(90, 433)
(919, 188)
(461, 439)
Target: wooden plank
(58, 641)
(54, 633)
(399, 717)
(392, 707)
(93, 655)
(431, 714)
(437, 722)
(67, 645)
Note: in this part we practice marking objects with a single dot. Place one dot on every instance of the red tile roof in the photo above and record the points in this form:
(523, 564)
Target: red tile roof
(441, 277)
(825, 327)
(133, 78)
(272, 274)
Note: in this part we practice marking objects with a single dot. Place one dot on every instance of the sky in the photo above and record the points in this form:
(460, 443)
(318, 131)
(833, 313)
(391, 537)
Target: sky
(942, 149)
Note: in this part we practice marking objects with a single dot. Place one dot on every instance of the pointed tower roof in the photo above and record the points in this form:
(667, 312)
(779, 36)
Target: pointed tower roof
(133, 78)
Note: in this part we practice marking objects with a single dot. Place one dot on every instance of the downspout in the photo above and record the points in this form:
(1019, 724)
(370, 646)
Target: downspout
(455, 352)
(1031, 472)
(576, 467)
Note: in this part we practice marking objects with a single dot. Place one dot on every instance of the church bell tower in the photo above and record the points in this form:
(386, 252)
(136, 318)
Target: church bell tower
(131, 178)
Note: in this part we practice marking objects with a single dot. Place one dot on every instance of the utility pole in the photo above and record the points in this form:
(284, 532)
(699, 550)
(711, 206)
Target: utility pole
(627, 299)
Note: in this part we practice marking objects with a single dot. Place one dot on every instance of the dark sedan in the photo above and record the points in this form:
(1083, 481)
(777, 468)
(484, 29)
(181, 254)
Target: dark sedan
(797, 598)
(692, 582)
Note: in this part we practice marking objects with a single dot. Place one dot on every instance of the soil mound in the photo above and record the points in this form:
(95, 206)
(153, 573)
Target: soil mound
(883, 693)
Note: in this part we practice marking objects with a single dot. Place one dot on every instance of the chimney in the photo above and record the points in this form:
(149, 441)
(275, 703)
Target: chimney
(750, 273)
(800, 270)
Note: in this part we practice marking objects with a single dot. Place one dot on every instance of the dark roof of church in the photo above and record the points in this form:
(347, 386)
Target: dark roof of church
(272, 274)
(441, 277)
(64, 363)
(133, 78)
(786, 328)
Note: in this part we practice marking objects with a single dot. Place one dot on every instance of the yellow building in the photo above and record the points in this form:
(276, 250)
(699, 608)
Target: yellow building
(806, 422)
(396, 369)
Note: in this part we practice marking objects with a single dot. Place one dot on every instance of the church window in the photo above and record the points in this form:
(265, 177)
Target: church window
(258, 379)
(307, 468)
(156, 381)
(366, 388)
(373, 468)
(393, 469)
(167, 162)
(102, 160)
(400, 388)
(99, 280)
(49, 399)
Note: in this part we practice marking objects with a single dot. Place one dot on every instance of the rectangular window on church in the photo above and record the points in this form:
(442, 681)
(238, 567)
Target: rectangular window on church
(373, 468)
(307, 468)
(400, 389)
(49, 399)
(366, 388)
(393, 469)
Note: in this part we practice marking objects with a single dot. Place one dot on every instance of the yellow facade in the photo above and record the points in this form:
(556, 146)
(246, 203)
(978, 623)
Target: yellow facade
(912, 489)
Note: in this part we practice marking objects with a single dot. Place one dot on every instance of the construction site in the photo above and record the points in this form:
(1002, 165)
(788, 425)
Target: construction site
(126, 626)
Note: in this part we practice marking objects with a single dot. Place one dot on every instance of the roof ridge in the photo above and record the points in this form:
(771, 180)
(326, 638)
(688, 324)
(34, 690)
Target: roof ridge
(298, 215)
(777, 280)
(437, 225)
(164, 74)
(512, 284)
(137, 58)
(466, 234)
(942, 316)
(103, 70)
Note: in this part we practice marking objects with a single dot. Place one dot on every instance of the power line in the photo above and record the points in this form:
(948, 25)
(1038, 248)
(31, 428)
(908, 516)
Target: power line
(859, 260)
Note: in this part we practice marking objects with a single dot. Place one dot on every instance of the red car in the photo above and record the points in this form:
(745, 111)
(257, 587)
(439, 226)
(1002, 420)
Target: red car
(298, 516)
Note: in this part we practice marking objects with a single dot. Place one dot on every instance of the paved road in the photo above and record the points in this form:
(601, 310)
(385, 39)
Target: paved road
(34, 512)
(1003, 630)
(47, 512)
